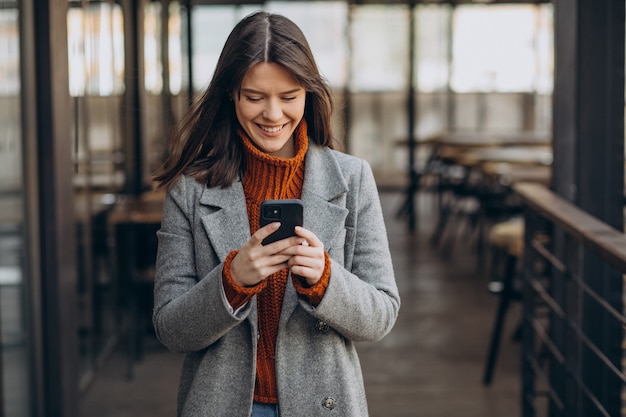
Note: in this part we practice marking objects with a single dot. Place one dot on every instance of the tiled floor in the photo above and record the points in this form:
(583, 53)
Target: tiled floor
(430, 365)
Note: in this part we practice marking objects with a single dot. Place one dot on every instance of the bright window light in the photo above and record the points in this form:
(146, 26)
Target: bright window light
(495, 48)
(95, 40)
(380, 48)
(329, 45)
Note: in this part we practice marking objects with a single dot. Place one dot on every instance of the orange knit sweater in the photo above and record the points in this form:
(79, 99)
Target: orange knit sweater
(268, 177)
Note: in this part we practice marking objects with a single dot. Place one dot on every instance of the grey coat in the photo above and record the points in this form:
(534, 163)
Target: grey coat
(317, 368)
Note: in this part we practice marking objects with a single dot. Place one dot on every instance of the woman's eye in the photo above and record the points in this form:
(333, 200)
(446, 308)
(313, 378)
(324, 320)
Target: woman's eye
(291, 98)
(254, 99)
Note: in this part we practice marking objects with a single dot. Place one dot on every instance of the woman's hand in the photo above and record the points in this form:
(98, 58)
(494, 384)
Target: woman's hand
(306, 259)
(255, 262)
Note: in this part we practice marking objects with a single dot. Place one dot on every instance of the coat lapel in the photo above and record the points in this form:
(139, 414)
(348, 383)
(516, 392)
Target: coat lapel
(323, 197)
(225, 219)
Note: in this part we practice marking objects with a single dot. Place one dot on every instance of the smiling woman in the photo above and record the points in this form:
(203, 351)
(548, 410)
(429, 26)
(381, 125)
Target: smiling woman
(282, 318)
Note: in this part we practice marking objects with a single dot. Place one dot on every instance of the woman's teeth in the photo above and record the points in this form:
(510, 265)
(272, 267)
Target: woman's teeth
(271, 129)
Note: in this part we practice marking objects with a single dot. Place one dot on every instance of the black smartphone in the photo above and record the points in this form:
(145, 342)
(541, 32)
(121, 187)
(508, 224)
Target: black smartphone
(287, 212)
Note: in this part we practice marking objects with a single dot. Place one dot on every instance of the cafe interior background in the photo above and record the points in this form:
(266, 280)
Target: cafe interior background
(89, 90)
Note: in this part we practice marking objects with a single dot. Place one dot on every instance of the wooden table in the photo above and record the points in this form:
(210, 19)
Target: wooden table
(479, 139)
(508, 174)
(144, 209)
(520, 155)
(486, 174)
(471, 149)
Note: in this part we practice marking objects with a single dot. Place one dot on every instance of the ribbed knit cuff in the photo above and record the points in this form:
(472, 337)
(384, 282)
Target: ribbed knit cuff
(315, 293)
(235, 293)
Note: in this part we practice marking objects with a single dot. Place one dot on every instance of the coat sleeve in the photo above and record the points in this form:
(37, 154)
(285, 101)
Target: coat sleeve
(362, 300)
(190, 312)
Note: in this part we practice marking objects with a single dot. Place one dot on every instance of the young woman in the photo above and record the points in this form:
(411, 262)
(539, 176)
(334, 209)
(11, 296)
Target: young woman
(270, 329)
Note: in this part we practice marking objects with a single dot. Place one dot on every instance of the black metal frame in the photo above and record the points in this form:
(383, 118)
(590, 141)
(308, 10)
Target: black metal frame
(573, 310)
(49, 225)
(582, 293)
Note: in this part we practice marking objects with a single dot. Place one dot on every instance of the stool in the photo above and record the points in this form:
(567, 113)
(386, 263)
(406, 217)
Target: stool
(508, 238)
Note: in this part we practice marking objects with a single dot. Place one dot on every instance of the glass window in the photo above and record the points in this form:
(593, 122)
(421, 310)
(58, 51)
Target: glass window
(544, 44)
(431, 74)
(153, 48)
(153, 68)
(379, 48)
(96, 81)
(212, 24)
(432, 36)
(95, 41)
(496, 48)
(210, 28)
(329, 45)
(14, 339)
(176, 47)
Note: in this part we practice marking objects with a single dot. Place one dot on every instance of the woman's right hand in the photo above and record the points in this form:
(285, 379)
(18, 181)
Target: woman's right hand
(255, 262)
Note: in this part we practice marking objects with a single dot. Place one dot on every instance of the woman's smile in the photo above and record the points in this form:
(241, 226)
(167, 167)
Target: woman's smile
(272, 130)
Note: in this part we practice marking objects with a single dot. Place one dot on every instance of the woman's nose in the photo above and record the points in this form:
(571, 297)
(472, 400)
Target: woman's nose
(273, 110)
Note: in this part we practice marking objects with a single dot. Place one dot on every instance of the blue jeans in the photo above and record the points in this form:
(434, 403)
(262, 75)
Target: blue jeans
(264, 410)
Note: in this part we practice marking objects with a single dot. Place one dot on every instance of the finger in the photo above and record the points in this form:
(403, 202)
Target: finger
(311, 238)
(284, 246)
(272, 269)
(265, 231)
(311, 275)
(306, 256)
(301, 248)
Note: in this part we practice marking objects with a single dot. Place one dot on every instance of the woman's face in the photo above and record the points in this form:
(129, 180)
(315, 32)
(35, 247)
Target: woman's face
(269, 107)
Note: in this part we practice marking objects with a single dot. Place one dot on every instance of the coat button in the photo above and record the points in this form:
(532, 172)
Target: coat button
(322, 326)
(329, 403)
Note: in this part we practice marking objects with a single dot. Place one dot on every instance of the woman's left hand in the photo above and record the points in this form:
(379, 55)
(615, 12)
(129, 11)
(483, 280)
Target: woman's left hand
(307, 260)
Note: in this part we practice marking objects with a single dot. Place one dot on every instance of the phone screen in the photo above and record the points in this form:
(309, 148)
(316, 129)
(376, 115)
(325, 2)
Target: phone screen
(288, 212)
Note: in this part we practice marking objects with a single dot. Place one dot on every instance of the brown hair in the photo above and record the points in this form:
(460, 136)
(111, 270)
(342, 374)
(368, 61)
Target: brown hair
(205, 144)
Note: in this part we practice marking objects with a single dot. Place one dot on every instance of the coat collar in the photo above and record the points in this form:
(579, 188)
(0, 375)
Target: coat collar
(227, 222)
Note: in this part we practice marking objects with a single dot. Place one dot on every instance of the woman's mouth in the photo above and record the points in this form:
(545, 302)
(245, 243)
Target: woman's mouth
(271, 129)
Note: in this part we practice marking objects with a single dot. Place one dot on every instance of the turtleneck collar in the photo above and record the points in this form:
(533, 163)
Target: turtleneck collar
(270, 177)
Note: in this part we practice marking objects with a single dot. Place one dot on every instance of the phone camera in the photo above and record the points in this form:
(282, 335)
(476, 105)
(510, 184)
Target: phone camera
(272, 212)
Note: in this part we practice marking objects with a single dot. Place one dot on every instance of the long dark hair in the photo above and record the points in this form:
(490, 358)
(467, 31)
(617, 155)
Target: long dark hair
(205, 144)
